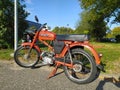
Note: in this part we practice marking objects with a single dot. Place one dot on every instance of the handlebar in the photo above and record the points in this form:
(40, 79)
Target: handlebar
(42, 26)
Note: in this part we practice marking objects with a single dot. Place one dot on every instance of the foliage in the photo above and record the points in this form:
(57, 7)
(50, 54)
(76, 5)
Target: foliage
(96, 28)
(104, 8)
(114, 32)
(109, 35)
(98, 14)
(83, 26)
(7, 21)
(63, 30)
(117, 37)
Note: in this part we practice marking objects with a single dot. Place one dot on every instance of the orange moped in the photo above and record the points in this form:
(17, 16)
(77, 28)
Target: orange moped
(80, 61)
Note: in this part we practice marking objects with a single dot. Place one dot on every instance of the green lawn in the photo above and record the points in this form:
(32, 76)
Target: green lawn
(111, 56)
(5, 54)
(110, 51)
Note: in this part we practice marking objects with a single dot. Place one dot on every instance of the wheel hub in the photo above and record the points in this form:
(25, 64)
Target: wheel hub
(26, 56)
(77, 67)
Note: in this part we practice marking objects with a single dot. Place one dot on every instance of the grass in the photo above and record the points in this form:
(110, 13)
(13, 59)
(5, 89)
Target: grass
(111, 55)
(5, 54)
(110, 51)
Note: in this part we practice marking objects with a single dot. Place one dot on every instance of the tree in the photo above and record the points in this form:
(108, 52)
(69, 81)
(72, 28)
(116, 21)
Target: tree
(105, 8)
(95, 27)
(116, 31)
(83, 26)
(63, 30)
(7, 21)
(99, 13)
(117, 37)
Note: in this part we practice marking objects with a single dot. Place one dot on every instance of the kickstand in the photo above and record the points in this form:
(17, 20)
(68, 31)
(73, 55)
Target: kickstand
(54, 71)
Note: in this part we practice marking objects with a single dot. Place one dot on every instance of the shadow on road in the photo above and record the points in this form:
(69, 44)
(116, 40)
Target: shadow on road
(107, 80)
(55, 70)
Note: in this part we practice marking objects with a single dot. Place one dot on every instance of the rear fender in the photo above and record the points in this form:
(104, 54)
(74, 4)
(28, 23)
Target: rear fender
(29, 44)
(94, 53)
(89, 47)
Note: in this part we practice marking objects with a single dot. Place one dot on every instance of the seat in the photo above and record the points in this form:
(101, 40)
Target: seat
(73, 37)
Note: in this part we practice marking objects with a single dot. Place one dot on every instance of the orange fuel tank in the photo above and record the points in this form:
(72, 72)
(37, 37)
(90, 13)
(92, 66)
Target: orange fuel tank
(47, 35)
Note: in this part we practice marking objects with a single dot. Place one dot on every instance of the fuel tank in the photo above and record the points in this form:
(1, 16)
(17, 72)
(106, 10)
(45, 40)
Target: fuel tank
(47, 35)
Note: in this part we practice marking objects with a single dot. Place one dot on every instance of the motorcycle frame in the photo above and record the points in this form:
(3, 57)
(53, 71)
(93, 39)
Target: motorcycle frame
(71, 44)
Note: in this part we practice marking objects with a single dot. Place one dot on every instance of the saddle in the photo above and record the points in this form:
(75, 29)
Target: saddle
(73, 37)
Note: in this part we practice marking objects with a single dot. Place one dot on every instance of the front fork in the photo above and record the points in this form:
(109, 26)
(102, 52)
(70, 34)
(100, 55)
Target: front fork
(29, 53)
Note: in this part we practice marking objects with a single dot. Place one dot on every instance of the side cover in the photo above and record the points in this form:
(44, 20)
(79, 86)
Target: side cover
(58, 46)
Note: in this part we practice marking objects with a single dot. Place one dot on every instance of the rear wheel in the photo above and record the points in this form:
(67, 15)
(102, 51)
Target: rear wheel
(25, 57)
(84, 68)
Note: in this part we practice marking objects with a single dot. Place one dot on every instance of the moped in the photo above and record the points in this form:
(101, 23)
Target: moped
(79, 60)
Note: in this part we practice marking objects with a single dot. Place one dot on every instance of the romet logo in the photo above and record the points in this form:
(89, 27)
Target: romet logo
(44, 35)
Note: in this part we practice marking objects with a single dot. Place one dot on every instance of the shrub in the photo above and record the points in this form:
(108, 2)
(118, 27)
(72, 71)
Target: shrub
(117, 37)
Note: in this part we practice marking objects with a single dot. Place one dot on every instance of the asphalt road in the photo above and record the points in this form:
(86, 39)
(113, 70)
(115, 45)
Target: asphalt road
(13, 77)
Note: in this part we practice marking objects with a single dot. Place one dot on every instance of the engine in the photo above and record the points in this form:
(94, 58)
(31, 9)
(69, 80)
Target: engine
(47, 57)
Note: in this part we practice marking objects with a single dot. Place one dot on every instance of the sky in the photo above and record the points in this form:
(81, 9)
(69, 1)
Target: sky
(54, 12)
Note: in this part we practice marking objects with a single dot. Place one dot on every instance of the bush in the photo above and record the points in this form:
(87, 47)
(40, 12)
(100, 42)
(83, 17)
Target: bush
(117, 37)
(3, 45)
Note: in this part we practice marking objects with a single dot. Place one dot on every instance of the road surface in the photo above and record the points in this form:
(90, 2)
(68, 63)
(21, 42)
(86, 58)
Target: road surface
(13, 77)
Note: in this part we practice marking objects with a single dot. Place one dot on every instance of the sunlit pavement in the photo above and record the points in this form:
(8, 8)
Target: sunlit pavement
(13, 77)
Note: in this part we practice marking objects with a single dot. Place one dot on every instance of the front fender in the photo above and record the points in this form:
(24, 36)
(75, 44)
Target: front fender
(29, 44)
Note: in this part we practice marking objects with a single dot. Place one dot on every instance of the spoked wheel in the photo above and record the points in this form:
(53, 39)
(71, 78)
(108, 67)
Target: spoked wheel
(25, 57)
(84, 68)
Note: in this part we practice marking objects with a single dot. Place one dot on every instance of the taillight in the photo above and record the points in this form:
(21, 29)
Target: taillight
(100, 55)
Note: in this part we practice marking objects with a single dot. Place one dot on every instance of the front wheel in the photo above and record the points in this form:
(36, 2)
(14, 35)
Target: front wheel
(25, 57)
(84, 68)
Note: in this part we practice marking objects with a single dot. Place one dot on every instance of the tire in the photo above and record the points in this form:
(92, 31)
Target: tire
(23, 59)
(84, 67)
